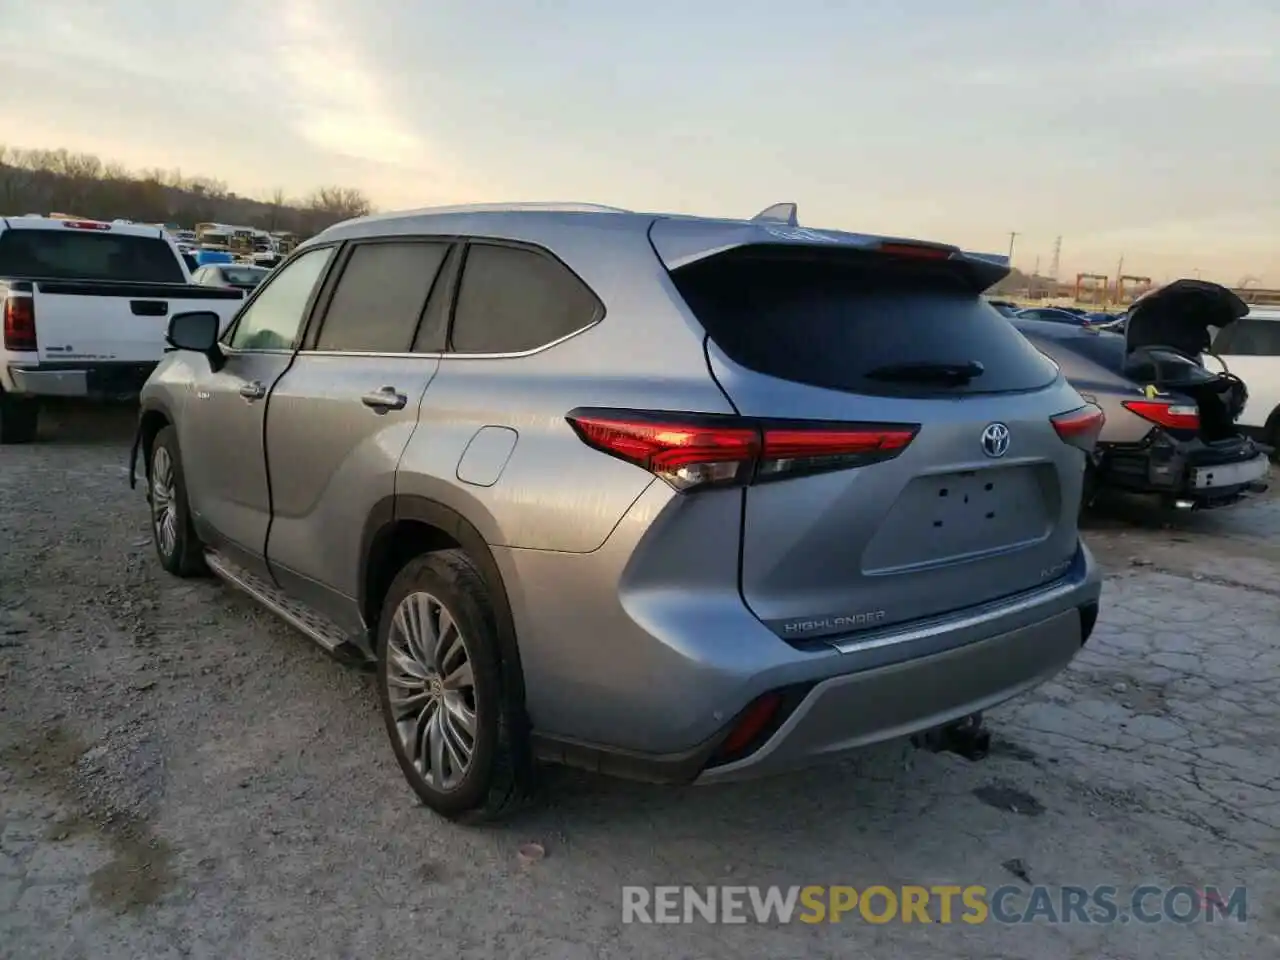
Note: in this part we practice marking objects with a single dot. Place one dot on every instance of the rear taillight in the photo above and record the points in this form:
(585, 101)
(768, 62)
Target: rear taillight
(86, 225)
(1080, 427)
(1171, 416)
(19, 323)
(919, 251)
(694, 451)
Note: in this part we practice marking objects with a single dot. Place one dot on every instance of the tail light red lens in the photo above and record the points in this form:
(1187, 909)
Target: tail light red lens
(919, 251)
(694, 451)
(1172, 416)
(19, 323)
(1080, 427)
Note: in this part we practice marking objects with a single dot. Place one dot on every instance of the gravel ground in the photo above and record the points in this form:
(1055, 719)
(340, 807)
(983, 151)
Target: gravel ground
(183, 776)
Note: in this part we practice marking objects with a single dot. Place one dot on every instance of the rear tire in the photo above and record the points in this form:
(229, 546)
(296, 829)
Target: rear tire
(1089, 491)
(179, 549)
(19, 418)
(1271, 435)
(453, 728)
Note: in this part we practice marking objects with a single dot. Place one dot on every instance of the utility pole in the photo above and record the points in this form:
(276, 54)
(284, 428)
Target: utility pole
(1013, 235)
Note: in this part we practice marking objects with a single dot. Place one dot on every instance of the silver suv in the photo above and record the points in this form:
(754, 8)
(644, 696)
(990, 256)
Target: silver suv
(668, 497)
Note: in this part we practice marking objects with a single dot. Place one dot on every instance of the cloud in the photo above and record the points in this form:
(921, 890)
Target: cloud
(339, 104)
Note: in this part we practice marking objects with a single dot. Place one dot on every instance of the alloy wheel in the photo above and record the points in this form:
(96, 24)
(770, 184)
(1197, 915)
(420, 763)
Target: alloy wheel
(431, 690)
(164, 507)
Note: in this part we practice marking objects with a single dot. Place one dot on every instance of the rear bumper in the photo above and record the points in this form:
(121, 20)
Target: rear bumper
(90, 380)
(653, 689)
(844, 713)
(1185, 470)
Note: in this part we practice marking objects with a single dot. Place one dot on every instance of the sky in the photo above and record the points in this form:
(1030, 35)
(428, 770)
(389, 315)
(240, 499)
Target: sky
(1138, 130)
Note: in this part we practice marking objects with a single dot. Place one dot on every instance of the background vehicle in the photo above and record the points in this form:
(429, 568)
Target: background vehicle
(1170, 427)
(85, 306)
(1250, 348)
(238, 275)
(1005, 307)
(669, 497)
(1055, 315)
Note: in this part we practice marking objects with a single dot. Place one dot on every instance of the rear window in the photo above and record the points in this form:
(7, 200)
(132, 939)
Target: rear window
(829, 320)
(70, 254)
(243, 276)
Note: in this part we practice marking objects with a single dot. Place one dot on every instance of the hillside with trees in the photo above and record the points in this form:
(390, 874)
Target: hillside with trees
(81, 184)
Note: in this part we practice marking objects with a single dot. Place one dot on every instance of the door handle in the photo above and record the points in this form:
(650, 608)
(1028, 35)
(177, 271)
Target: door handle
(253, 390)
(384, 399)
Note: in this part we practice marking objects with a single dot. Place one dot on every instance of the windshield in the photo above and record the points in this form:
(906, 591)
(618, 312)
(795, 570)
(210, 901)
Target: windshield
(87, 255)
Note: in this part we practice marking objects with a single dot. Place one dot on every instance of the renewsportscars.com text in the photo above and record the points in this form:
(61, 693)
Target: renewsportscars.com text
(973, 904)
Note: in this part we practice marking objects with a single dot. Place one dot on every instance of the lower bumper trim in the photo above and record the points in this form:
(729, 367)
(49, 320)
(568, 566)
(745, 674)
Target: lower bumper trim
(855, 710)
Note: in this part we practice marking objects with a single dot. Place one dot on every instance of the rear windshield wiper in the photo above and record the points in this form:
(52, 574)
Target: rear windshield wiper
(929, 372)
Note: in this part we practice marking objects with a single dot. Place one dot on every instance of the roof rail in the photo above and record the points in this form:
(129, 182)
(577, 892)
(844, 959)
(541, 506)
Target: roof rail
(780, 213)
(535, 205)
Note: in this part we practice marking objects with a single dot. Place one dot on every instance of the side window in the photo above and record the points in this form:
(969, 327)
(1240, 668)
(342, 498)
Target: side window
(274, 319)
(198, 276)
(512, 300)
(380, 297)
(1249, 338)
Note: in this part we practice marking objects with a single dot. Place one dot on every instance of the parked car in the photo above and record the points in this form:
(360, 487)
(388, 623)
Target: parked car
(237, 275)
(672, 498)
(1054, 315)
(85, 306)
(1005, 308)
(1170, 422)
(1250, 348)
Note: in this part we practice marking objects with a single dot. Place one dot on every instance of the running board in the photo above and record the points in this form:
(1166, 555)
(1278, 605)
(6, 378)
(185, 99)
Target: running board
(302, 618)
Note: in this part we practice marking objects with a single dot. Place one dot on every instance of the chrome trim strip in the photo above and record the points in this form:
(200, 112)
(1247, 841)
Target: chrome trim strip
(990, 611)
(449, 355)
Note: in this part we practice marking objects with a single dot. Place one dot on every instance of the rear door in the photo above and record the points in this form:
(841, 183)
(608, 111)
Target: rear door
(340, 418)
(980, 504)
(102, 294)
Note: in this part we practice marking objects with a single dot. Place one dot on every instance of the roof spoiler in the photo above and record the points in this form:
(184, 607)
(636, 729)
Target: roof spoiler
(780, 213)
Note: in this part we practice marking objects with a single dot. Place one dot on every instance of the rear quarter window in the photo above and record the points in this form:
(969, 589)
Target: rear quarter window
(70, 254)
(830, 319)
(514, 299)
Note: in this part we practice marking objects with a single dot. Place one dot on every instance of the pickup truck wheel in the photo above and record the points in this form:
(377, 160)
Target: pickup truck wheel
(180, 550)
(440, 683)
(19, 418)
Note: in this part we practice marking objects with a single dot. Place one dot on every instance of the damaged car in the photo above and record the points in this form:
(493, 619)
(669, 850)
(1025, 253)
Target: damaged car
(1170, 427)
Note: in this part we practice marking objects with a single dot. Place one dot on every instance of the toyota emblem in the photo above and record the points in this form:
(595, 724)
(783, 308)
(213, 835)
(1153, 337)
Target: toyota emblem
(995, 440)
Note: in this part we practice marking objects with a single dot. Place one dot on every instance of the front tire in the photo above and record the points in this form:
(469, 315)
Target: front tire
(19, 418)
(453, 728)
(179, 549)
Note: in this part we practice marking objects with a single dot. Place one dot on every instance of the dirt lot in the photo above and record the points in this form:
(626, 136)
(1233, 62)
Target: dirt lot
(182, 776)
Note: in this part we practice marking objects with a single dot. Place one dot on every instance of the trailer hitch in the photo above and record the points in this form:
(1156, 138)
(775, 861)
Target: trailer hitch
(967, 737)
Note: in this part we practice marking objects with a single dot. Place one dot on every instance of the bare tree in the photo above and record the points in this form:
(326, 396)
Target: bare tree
(340, 203)
(44, 181)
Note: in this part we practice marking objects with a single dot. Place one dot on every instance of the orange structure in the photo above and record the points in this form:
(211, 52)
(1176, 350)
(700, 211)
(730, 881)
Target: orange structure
(1097, 291)
(1137, 286)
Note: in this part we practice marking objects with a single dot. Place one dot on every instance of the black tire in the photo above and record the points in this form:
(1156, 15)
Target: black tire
(186, 556)
(499, 777)
(19, 418)
(1089, 489)
(1271, 435)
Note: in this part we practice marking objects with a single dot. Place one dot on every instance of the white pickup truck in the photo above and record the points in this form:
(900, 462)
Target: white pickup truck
(85, 307)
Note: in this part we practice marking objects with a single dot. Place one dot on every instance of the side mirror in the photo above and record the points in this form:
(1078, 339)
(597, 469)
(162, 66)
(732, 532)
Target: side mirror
(196, 331)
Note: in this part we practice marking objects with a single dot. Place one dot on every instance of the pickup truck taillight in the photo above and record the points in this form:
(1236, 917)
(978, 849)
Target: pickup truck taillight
(19, 323)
